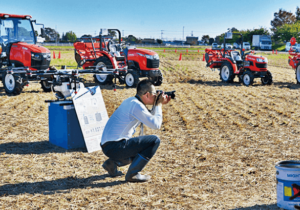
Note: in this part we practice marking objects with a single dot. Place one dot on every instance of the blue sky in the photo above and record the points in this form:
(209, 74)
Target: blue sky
(146, 18)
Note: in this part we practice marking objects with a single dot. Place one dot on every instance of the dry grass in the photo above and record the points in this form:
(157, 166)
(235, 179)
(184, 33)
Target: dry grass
(219, 146)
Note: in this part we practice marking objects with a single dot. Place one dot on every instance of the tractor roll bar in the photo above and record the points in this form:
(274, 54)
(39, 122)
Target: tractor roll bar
(242, 52)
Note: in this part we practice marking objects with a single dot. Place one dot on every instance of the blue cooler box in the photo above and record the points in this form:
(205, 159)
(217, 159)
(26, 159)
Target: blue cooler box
(64, 128)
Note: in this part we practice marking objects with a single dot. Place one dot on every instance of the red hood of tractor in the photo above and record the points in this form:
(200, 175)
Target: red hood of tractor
(254, 57)
(142, 51)
(32, 47)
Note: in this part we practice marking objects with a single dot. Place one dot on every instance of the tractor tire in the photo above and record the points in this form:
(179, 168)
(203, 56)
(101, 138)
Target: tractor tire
(132, 78)
(298, 73)
(47, 87)
(157, 81)
(248, 78)
(268, 79)
(103, 79)
(13, 83)
(226, 73)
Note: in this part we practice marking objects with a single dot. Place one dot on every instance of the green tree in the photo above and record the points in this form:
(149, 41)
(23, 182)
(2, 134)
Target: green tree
(287, 31)
(298, 13)
(71, 36)
(159, 41)
(205, 38)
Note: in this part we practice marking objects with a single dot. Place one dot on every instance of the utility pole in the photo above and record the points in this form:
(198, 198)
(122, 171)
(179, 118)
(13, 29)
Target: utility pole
(123, 33)
(183, 34)
(162, 34)
(192, 33)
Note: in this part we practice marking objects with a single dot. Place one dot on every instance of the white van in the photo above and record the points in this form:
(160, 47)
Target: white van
(246, 46)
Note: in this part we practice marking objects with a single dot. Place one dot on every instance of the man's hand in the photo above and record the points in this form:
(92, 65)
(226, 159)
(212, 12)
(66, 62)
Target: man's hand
(163, 99)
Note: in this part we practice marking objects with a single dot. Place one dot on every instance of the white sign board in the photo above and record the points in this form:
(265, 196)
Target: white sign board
(91, 114)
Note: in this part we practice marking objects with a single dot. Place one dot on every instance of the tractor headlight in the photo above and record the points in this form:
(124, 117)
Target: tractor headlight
(262, 60)
(149, 56)
(156, 56)
(36, 56)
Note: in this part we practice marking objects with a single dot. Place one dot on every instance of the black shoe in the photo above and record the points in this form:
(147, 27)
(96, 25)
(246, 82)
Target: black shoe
(136, 166)
(111, 167)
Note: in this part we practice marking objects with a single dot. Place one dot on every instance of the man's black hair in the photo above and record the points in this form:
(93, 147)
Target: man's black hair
(143, 87)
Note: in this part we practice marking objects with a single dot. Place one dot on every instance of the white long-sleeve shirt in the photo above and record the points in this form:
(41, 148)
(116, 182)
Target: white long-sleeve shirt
(123, 122)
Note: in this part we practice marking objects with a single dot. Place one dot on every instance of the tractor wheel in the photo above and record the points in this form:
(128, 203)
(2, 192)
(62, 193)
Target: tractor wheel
(226, 73)
(131, 78)
(103, 79)
(298, 73)
(268, 79)
(248, 78)
(157, 81)
(13, 83)
(46, 86)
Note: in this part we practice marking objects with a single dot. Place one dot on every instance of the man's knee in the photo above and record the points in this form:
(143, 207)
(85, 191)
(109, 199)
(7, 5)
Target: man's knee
(156, 140)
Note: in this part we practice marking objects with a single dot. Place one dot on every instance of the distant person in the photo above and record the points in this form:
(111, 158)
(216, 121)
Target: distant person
(117, 142)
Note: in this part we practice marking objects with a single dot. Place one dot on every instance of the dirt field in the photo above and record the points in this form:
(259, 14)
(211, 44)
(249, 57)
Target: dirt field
(220, 143)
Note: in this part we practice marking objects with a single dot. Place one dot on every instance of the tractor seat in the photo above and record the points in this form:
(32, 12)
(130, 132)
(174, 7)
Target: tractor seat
(235, 55)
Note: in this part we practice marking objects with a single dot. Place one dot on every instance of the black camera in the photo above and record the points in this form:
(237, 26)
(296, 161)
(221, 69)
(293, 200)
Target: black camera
(170, 93)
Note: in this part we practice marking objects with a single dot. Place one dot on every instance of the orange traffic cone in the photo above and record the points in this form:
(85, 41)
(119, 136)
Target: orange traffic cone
(180, 56)
(53, 55)
(276, 52)
(176, 50)
(203, 59)
(187, 50)
(164, 50)
(272, 51)
(59, 55)
(198, 50)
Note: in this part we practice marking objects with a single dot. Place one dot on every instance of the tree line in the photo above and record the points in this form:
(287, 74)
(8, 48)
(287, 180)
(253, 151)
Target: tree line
(284, 26)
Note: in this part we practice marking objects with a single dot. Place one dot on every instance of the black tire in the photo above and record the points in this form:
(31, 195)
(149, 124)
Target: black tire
(13, 83)
(157, 81)
(298, 73)
(248, 78)
(268, 79)
(226, 73)
(47, 87)
(132, 78)
(103, 79)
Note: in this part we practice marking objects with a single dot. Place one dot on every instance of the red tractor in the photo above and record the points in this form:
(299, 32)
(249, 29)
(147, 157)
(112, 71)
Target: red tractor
(232, 63)
(294, 62)
(18, 51)
(132, 63)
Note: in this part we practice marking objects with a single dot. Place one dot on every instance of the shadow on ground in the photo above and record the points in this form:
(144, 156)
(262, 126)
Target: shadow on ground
(56, 186)
(260, 207)
(39, 147)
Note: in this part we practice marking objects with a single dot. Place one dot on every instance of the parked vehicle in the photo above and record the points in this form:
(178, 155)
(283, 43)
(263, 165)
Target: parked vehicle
(262, 42)
(232, 63)
(228, 46)
(236, 46)
(20, 54)
(214, 45)
(294, 61)
(246, 46)
(132, 63)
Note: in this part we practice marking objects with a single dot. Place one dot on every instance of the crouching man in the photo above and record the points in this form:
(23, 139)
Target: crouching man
(117, 142)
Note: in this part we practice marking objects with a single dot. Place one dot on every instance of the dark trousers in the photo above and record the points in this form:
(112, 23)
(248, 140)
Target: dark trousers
(125, 149)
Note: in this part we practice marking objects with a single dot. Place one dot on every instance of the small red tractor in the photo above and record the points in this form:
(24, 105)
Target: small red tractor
(19, 53)
(294, 61)
(231, 63)
(132, 63)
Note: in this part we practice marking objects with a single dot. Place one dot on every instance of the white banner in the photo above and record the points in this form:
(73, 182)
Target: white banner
(91, 114)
